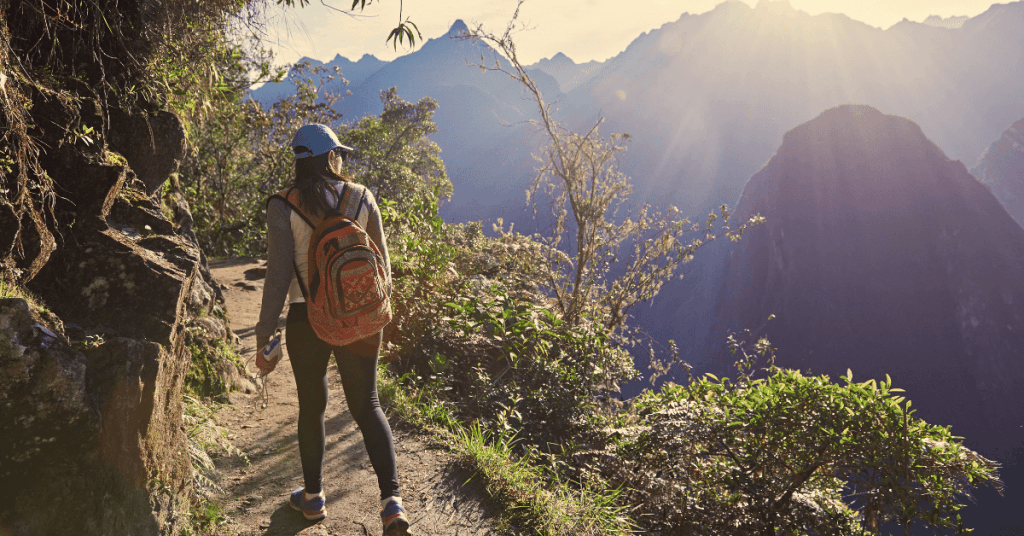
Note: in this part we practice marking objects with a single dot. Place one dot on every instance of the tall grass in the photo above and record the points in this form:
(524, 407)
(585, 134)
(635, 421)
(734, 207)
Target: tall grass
(532, 497)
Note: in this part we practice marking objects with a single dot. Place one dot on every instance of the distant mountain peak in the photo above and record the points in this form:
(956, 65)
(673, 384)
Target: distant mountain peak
(774, 4)
(871, 228)
(458, 28)
(729, 5)
(950, 22)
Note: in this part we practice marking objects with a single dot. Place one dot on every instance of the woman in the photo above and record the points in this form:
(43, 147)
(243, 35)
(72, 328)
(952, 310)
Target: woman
(321, 186)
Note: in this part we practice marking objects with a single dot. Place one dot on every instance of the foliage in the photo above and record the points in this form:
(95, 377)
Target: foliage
(393, 155)
(789, 453)
(498, 343)
(404, 30)
(203, 379)
(541, 375)
(206, 439)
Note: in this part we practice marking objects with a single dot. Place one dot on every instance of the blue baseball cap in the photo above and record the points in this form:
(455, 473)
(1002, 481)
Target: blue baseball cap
(315, 140)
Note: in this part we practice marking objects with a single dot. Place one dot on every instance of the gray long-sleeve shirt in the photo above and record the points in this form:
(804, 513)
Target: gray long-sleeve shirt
(284, 231)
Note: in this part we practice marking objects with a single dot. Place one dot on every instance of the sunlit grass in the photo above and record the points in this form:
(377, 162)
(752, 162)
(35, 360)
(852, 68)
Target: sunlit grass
(532, 497)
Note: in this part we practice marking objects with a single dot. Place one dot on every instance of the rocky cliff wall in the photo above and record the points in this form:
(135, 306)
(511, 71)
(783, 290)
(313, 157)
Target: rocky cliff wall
(105, 296)
(91, 373)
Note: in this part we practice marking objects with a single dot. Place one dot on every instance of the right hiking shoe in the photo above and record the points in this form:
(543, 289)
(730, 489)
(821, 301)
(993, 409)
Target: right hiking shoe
(312, 509)
(395, 522)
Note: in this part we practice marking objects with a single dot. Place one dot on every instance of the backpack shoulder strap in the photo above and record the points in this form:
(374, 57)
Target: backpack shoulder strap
(340, 199)
(362, 200)
(290, 196)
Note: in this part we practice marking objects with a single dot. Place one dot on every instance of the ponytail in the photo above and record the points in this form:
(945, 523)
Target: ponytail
(313, 180)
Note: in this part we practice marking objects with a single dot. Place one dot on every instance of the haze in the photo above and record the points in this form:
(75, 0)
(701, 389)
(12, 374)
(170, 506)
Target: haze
(582, 29)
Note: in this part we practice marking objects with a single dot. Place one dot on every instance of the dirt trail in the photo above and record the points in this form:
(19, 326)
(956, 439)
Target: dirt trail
(256, 500)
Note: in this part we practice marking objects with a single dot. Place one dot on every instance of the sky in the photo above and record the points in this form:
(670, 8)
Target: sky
(584, 30)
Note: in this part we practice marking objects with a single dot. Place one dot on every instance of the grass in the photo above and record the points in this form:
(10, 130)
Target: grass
(206, 437)
(531, 496)
(206, 518)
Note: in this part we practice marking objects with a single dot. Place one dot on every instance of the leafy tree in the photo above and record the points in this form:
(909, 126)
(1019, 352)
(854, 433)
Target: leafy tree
(393, 155)
(241, 154)
(579, 174)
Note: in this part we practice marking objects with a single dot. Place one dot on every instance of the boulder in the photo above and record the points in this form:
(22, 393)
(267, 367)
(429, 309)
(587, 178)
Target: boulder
(153, 144)
(96, 431)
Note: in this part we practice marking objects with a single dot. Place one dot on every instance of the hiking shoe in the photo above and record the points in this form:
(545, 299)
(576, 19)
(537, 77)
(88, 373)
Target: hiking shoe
(395, 522)
(312, 509)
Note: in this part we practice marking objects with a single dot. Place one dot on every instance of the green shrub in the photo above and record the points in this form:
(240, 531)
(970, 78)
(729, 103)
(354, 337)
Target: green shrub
(541, 376)
(790, 453)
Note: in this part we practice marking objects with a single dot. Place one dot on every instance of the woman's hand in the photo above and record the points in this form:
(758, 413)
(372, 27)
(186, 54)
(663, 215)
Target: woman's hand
(267, 358)
(266, 367)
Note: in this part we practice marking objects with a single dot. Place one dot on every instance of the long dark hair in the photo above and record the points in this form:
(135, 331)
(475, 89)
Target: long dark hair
(313, 176)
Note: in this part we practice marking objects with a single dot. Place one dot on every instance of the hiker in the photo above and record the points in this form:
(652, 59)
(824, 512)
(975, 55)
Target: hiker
(320, 188)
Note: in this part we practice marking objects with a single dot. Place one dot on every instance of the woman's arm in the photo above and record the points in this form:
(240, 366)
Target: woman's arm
(375, 228)
(280, 269)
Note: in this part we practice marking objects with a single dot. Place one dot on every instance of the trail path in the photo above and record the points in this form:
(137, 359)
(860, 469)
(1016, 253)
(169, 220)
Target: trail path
(256, 500)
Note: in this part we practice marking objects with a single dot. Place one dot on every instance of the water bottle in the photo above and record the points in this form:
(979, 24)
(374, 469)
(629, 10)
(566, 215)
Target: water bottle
(272, 351)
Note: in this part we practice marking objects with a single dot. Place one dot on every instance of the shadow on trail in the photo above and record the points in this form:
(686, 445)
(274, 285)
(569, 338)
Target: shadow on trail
(287, 522)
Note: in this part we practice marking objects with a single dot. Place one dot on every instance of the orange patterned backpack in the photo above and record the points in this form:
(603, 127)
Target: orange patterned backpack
(349, 294)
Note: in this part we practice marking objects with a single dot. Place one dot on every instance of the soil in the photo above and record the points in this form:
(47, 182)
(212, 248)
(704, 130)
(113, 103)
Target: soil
(440, 495)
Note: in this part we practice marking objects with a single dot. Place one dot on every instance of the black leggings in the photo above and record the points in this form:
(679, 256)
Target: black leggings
(357, 364)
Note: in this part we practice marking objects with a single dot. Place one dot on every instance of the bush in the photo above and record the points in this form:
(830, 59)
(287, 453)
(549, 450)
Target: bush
(789, 453)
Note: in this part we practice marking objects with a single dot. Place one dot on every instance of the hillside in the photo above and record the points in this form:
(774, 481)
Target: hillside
(882, 255)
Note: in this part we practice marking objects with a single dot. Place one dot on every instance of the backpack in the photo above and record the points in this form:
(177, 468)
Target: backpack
(349, 294)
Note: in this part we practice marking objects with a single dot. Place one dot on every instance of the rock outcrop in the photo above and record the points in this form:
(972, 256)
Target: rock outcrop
(104, 300)
(1002, 169)
(91, 404)
(153, 144)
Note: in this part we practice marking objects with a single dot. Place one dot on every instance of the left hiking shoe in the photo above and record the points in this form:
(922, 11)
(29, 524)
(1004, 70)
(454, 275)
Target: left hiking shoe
(312, 509)
(393, 517)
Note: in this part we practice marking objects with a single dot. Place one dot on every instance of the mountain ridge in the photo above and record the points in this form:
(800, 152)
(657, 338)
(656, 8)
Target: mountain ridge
(1001, 168)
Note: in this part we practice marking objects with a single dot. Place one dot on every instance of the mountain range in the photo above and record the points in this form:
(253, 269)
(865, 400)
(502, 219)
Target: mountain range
(706, 97)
